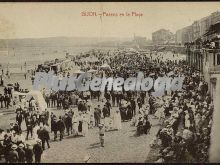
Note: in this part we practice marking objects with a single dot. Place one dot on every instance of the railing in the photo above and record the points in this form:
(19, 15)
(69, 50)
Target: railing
(211, 50)
(214, 69)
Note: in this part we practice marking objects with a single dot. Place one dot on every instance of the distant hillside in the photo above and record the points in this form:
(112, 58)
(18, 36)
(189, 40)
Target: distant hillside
(57, 41)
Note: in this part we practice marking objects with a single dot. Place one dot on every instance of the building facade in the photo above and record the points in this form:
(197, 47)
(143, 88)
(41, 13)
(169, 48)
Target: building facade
(211, 71)
(162, 36)
(197, 29)
(207, 61)
(141, 41)
(215, 17)
(184, 35)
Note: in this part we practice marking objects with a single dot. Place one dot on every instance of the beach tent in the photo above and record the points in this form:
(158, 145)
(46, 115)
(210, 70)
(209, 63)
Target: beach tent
(37, 95)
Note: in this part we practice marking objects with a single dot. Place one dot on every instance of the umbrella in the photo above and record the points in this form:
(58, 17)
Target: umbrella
(170, 73)
(105, 66)
(152, 74)
(77, 71)
(92, 71)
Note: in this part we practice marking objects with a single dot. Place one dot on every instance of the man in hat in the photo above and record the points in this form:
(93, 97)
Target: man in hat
(45, 138)
(84, 107)
(7, 100)
(29, 153)
(97, 115)
(80, 105)
(2, 133)
(19, 119)
(13, 154)
(21, 153)
(38, 150)
(133, 106)
(29, 124)
(61, 127)
(140, 126)
(106, 111)
(47, 115)
(1, 100)
(7, 144)
(54, 127)
(68, 123)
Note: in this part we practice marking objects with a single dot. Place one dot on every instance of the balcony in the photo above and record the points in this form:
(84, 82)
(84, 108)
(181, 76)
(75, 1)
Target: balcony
(214, 69)
(212, 50)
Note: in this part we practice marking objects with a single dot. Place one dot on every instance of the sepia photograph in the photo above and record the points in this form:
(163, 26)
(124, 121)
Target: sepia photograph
(109, 82)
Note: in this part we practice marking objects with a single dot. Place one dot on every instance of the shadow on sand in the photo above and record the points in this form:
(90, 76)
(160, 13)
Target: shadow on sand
(94, 145)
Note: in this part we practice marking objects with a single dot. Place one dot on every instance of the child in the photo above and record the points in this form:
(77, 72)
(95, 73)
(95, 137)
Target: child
(92, 121)
(101, 134)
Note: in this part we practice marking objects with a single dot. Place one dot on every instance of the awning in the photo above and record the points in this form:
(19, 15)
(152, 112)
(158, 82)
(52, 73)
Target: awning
(213, 29)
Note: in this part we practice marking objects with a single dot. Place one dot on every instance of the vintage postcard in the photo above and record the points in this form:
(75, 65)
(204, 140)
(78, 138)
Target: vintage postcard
(104, 82)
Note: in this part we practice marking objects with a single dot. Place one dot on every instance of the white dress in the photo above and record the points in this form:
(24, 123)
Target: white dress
(187, 121)
(85, 125)
(35, 136)
(117, 120)
(75, 122)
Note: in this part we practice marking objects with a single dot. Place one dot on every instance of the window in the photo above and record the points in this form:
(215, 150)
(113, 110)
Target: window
(206, 57)
(218, 59)
(214, 58)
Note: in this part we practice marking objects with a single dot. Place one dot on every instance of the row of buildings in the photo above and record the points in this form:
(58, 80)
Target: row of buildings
(206, 59)
(191, 33)
(202, 45)
(198, 29)
(163, 37)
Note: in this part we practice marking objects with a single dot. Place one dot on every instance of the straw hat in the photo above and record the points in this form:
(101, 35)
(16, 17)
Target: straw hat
(28, 144)
(14, 147)
(175, 109)
(21, 145)
(38, 141)
(178, 134)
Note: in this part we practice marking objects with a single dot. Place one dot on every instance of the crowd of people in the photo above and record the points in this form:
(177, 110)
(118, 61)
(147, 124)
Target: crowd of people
(185, 116)
(6, 98)
(188, 122)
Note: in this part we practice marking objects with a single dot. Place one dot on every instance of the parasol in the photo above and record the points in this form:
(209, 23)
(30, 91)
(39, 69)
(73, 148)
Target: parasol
(77, 71)
(92, 71)
(105, 66)
(152, 74)
(170, 73)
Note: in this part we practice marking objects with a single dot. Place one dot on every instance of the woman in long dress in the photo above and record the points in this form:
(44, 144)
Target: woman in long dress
(85, 124)
(80, 120)
(37, 127)
(117, 120)
(75, 122)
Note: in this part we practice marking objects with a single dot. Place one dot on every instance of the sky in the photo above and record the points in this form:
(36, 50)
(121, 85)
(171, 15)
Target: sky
(39, 20)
